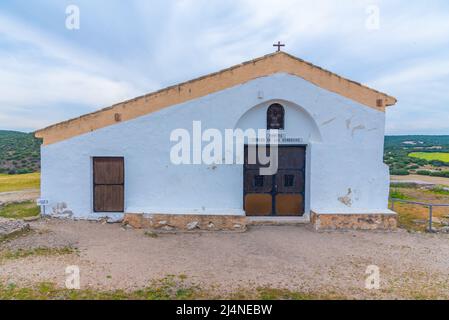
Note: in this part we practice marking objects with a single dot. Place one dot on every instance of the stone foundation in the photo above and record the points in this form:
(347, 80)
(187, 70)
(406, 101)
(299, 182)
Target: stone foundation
(374, 221)
(321, 222)
(172, 223)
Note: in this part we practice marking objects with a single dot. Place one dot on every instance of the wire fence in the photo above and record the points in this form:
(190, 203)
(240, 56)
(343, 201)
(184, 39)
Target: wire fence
(431, 207)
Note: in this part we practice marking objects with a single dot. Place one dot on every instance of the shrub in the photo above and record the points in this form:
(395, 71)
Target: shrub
(396, 194)
(437, 163)
(421, 162)
(423, 172)
(399, 172)
(443, 174)
(24, 171)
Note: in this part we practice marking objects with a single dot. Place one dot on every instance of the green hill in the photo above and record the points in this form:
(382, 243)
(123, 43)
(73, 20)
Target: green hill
(417, 154)
(19, 152)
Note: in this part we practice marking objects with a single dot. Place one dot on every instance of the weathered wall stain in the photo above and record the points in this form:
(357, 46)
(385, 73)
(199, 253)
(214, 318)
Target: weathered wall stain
(348, 122)
(328, 121)
(347, 199)
(359, 127)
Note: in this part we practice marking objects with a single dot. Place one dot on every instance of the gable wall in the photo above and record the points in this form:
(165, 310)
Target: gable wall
(349, 146)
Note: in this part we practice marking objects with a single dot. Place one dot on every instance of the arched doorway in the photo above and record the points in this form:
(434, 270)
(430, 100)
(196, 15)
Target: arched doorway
(280, 194)
(286, 192)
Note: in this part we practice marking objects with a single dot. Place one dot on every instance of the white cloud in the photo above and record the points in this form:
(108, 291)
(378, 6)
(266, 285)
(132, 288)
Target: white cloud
(421, 88)
(146, 45)
(41, 71)
(420, 72)
(28, 84)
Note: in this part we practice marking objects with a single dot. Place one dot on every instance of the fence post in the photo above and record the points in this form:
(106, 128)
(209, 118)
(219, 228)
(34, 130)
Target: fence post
(430, 217)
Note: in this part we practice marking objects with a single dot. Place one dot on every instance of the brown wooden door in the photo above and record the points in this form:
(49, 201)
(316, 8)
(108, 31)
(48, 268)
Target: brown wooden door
(109, 184)
(281, 194)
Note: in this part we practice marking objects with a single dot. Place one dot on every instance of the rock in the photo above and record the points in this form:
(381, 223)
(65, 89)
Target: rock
(441, 221)
(163, 223)
(31, 219)
(11, 226)
(436, 220)
(167, 228)
(211, 225)
(113, 220)
(237, 226)
(193, 225)
(444, 229)
(419, 221)
(151, 234)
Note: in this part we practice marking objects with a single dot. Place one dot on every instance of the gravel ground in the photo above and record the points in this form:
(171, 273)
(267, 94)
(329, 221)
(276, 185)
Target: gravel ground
(411, 265)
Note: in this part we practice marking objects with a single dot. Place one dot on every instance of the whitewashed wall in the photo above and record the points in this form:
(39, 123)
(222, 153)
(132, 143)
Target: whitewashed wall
(344, 154)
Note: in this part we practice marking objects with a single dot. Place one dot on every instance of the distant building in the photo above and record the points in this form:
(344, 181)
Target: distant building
(328, 132)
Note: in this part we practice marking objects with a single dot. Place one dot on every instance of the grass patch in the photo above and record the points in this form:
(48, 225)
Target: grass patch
(20, 210)
(169, 288)
(15, 235)
(19, 182)
(429, 156)
(49, 291)
(36, 252)
(405, 185)
(408, 217)
(440, 190)
(397, 194)
(284, 294)
(414, 217)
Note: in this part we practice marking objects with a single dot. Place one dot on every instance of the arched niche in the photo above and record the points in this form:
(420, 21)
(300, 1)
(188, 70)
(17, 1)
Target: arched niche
(297, 122)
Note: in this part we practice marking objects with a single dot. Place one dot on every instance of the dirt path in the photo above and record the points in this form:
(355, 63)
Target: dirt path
(414, 178)
(295, 258)
(19, 196)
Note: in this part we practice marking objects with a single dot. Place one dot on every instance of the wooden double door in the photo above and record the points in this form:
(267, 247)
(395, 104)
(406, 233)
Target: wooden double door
(281, 194)
(109, 184)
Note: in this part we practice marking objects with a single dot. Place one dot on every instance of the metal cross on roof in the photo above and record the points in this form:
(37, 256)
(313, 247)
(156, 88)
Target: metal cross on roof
(279, 45)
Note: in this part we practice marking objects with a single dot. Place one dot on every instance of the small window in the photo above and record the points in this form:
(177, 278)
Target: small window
(258, 181)
(289, 180)
(275, 117)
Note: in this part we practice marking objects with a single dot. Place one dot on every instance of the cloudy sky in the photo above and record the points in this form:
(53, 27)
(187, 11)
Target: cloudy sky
(49, 73)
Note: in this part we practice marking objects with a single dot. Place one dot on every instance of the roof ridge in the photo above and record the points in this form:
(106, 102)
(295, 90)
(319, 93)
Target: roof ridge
(219, 80)
(335, 74)
(163, 89)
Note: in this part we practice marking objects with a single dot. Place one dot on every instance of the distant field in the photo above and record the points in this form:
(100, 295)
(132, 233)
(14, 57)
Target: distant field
(429, 156)
(19, 182)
